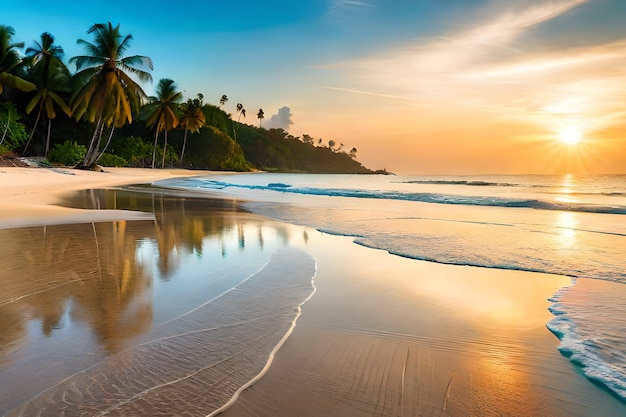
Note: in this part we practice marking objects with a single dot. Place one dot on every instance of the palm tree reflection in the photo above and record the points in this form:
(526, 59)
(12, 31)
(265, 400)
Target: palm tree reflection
(93, 273)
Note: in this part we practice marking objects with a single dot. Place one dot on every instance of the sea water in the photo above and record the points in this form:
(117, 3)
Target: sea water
(568, 225)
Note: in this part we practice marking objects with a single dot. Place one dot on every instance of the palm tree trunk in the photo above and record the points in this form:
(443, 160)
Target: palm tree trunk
(34, 127)
(96, 150)
(90, 151)
(183, 151)
(156, 137)
(48, 138)
(236, 128)
(164, 150)
(106, 145)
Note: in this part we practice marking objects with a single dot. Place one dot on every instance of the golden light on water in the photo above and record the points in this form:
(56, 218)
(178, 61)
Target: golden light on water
(566, 224)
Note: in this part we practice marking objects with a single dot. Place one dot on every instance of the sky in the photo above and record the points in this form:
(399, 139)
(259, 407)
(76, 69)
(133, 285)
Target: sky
(416, 86)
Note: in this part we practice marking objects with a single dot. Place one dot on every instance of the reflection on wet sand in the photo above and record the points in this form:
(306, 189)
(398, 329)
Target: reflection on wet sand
(122, 316)
(40, 275)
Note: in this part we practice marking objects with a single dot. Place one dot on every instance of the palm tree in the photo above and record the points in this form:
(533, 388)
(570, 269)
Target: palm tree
(192, 119)
(223, 100)
(107, 95)
(52, 77)
(11, 64)
(241, 112)
(260, 115)
(161, 112)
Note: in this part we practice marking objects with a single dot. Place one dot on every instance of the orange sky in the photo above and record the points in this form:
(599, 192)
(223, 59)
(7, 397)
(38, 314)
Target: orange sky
(489, 97)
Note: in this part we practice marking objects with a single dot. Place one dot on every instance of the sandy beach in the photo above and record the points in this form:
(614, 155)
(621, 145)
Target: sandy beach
(27, 194)
(382, 335)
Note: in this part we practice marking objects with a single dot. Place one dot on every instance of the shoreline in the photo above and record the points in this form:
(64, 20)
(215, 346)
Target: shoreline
(28, 194)
(452, 340)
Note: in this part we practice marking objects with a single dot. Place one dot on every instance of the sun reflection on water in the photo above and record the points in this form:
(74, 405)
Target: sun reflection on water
(566, 224)
(566, 190)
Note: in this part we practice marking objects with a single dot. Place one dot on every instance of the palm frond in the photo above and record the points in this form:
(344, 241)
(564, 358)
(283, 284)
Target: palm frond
(50, 111)
(33, 102)
(90, 49)
(134, 88)
(16, 82)
(124, 45)
(141, 75)
(87, 61)
(61, 103)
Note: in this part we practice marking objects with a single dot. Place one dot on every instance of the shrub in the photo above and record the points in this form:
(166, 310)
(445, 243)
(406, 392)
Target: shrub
(69, 153)
(12, 132)
(133, 150)
(108, 160)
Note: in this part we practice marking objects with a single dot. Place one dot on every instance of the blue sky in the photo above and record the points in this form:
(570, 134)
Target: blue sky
(417, 86)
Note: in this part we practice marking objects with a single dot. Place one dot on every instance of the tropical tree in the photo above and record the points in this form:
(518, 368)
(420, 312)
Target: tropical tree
(192, 118)
(162, 112)
(11, 63)
(51, 77)
(260, 115)
(223, 100)
(241, 112)
(108, 94)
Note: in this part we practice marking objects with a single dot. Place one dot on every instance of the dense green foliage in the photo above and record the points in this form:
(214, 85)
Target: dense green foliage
(12, 131)
(102, 116)
(67, 153)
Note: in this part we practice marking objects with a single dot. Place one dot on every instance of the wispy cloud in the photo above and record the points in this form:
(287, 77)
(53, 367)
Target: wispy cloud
(364, 92)
(345, 9)
(489, 42)
(486, 67)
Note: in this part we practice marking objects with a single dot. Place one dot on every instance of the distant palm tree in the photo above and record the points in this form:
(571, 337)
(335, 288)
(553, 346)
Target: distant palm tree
(260, 115)
(192, 118)
(161, 112)
(11, 63)
(51, 78)
(107, 95)
(223, 100)
(241, 112)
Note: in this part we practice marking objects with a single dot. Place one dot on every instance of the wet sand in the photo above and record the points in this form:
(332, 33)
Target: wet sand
(168, 316)
(388, 336)
(382, 335)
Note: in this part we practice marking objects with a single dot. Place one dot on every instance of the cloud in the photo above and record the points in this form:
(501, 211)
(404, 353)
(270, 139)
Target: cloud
(415, 64)
(368, 93)
(493, 67)
(280, 120)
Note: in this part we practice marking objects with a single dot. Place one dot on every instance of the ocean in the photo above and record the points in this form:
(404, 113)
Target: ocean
(567, 225)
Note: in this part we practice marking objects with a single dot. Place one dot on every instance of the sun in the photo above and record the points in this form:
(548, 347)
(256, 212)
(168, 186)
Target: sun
(570, 136)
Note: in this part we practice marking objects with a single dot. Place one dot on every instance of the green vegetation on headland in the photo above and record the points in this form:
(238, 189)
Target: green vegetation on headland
(100, 115)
